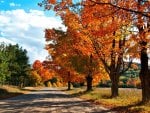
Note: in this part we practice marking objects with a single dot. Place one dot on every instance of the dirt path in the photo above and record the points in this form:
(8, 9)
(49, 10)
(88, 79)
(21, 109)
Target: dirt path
(49, 100)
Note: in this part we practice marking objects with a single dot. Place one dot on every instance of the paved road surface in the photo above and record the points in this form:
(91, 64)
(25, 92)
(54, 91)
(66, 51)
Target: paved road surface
(48, 100)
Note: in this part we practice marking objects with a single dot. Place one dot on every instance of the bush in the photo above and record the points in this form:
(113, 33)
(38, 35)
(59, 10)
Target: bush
(123, 86)
(53, 80)
(126, 86)
(104, 85)
(76, 85)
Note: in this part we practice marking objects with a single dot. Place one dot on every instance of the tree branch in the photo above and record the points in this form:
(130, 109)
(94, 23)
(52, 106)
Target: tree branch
(123, 8)
(126, 69)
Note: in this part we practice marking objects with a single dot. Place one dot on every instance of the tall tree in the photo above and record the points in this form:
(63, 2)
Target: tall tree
(18, 64)
(60, 51)
(86, 65)
(143, 26)
(4, 61)
(14, 64)
(139, 15)
(108, 37)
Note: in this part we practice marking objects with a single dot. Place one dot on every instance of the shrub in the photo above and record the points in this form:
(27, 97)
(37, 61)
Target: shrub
(76, 85)
(53, 80)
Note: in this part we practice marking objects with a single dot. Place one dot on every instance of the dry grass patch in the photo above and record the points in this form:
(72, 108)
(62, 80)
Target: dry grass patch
(7, 91)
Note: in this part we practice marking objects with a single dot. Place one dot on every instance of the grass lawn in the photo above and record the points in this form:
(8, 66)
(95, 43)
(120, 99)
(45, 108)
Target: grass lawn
(127, 102)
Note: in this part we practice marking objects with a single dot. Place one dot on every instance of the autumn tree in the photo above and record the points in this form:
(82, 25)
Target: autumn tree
(143, 26)
(60, 48)
(70, 60)
(35, 78)
(139, 16)
(86, 65)
(67, 47)
(108, 38)
(45, 73)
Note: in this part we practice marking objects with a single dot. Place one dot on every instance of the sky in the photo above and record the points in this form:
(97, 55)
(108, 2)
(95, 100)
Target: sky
(23, 22)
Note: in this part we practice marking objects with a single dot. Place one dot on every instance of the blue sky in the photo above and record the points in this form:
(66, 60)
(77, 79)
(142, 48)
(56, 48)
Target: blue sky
(23, 22)
(23, 4)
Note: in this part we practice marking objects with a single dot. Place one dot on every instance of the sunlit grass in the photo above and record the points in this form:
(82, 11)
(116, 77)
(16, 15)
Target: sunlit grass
(127, 102)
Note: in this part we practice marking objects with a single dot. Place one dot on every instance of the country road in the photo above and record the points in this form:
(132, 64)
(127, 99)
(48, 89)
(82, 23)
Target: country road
(49, 100)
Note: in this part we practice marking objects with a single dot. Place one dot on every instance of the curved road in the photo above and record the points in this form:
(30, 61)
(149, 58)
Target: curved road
(49, 100)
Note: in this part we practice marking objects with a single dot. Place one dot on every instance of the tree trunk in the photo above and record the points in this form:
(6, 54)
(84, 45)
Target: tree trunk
(145, 75)
(112, 74)
(89, 82)
(89, 76)
(145, 83)
(69, 82)
(69, 85)
(114, 86)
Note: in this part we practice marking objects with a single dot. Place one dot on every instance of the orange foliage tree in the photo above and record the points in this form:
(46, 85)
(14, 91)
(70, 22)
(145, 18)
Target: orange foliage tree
(138, 12)
(44, 73)
(61, 50)
(66, 54)
(35, 78)
(109, 38)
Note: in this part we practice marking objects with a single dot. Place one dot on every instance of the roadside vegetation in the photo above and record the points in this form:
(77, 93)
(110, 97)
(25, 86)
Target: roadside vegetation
(10, 91)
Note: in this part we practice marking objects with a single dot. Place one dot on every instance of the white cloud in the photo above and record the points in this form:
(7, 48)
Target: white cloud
(12, 4)
(27, 29)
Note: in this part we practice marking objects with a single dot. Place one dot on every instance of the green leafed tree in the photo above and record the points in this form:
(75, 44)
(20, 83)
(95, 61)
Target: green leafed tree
(4, 72)
(14, 65)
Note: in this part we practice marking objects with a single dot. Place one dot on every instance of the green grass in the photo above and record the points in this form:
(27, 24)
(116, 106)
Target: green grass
(127, 102)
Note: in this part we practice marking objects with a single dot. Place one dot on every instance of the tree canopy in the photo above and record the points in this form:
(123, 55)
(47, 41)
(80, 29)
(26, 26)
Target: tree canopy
(14, 64)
